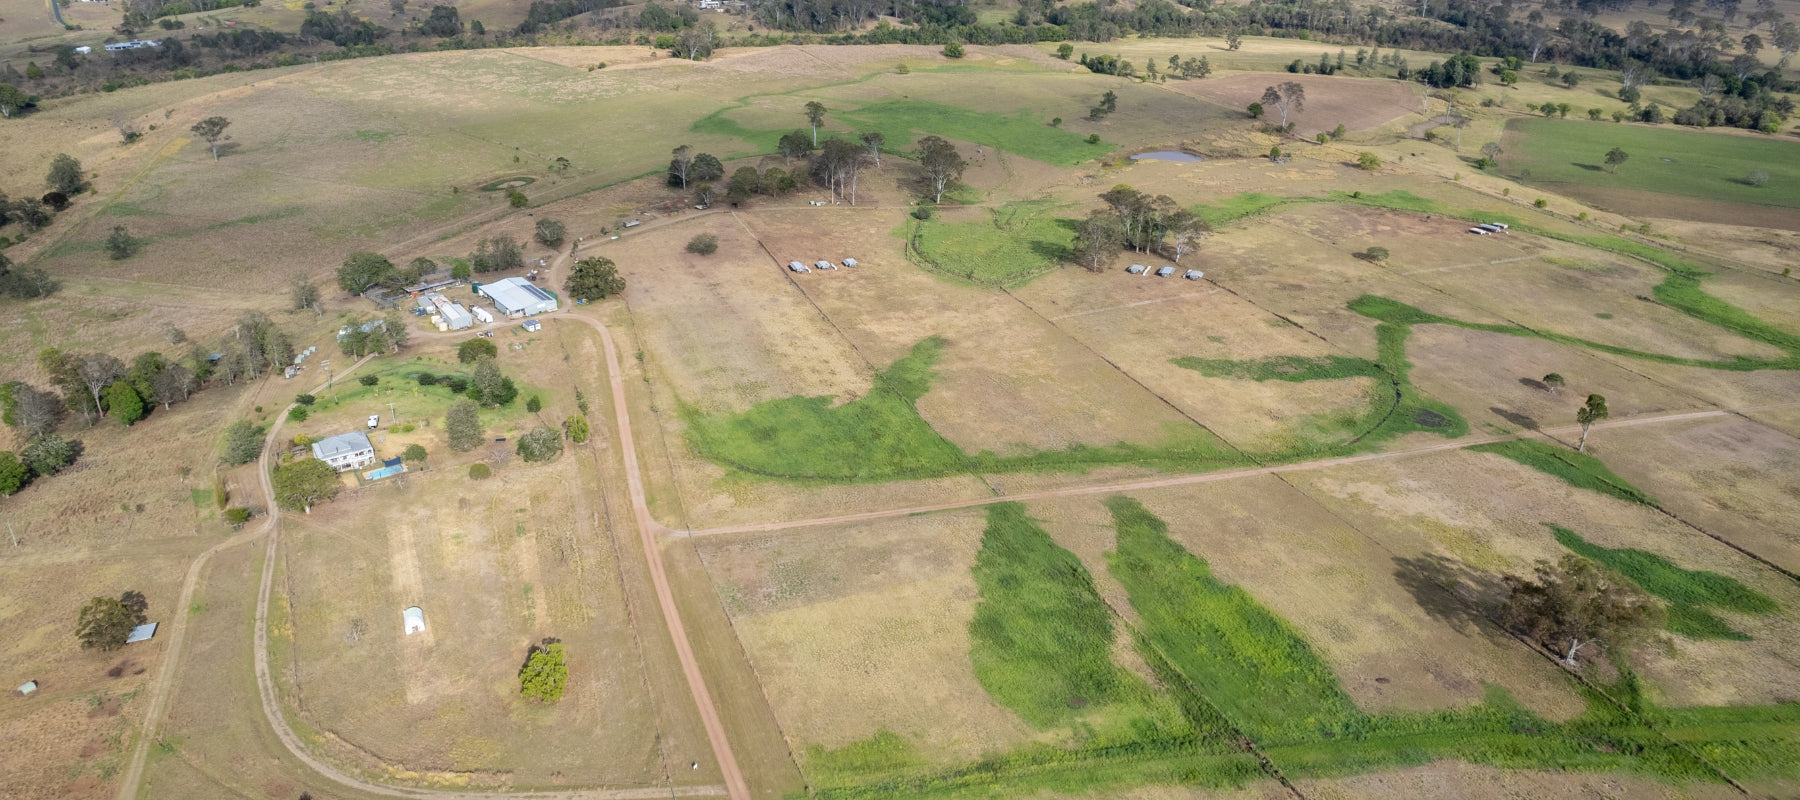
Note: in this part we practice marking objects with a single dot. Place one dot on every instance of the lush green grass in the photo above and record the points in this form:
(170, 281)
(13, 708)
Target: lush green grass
(1396, 407)
(1690, 593)
(1240, 206)
(1021, 241)
(1706, 166)
(1251, 665)
(1021, 134)
(879, 436)
(1579, 470)
(1042, 637)
(882, 754)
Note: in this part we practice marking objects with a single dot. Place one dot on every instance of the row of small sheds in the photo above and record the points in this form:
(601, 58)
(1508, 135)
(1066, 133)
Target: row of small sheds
(1165, 271)
(797, 266)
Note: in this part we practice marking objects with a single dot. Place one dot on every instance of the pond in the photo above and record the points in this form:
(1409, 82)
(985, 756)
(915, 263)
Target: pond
(1167, 155)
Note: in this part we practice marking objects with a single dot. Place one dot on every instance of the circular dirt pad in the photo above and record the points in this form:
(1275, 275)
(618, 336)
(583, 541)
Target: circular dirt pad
(509, 183)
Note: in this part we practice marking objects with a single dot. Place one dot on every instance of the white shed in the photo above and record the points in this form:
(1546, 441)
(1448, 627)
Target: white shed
(415, 620)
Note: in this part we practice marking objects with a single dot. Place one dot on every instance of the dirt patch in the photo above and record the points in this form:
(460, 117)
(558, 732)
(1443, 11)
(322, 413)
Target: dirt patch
(1356, 103)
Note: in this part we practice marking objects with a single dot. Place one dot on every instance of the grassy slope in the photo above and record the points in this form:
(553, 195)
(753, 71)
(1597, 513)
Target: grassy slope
(1707, 166)
(1579, 470)
(1021, 242)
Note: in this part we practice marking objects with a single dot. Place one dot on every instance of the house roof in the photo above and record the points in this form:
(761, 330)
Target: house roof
(515, 293)
(341, 444)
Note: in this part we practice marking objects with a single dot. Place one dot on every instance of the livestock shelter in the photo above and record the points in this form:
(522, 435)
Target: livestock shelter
(414, 619)
(517, 297)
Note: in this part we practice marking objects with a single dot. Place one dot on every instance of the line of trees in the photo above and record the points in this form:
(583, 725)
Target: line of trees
(1133, 219)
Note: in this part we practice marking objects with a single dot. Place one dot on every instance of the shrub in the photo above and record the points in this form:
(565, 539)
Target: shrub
(297, 414)
(1093, 138)
(1376, 253)
(472, 351)
(13, 475)
(1275, 152)
(953, 50)
(546, 672)
(534, 404)
(425, 378)
(577, 428)
(236, 517)
(704, 244)
(516, 198)
(1541, 203)
(413, 452)
(1255, 110)
(305, 399)
(1368, 160)
(540, 444)
(922, 213)
(368, 380)
(479, 472)
(550, 232)
(243, 442)
(1756, 177)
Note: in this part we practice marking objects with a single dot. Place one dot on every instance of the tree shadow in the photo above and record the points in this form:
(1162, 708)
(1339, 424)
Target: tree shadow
(1588, 167)
(1533, 383)
(1516, 418)
(1447, 589)
(1052, 251)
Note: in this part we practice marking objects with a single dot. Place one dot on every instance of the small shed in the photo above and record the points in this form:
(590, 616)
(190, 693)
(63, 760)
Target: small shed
(414, 619)
(825, 265)
(141, 633)
(1136, 269)
(27, 687)
(849, 262)
(1165, 272)
(798, 267)
(532, 326)
(1193, 274)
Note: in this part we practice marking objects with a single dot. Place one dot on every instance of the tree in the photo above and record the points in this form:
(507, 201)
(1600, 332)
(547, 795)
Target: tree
(123, 403)
(300, 485)
(953, 50)
(1367, 160)
(473, 350)
(1255, 110)
(11, 100)
(550, 232)
(1064, 50)
(243, 442)
(1376, 253)
(65, 174)
(1097, 241)
(461, 271)
(1508, 77)
(414, 452)
(743, 183)
(815, 114)
(576, 428)
(1573, 605)
(497, 254)
(706, 168)
(489, 386)
(98, 371)
(305, 294)
(48, 454)
(682, 159)
(795, 145)
(1614, 158)
(1757, 177)
(1591, 412)
(104, 623)
(1571, 79)
(594, 279)
(516, 198)
(1553, 382)
(363, 270)
(540, 444)
(13, 474)
(34, 412)
(1288, 96)
(696, 41)
(1491, 151)
(369, 380)
(463, 424)
(703, 244)
(546, 672)
(534, 404)
(943, 165)
(1109, 102)
(1233, 40)
(120, 244)
(212, 129)
(873, 140)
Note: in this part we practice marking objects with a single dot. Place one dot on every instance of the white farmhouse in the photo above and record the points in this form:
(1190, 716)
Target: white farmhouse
(345, 451)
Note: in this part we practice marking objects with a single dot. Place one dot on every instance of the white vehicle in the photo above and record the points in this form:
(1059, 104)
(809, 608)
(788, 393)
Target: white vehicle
(374, 421)
(1497, 225)
(634, 223)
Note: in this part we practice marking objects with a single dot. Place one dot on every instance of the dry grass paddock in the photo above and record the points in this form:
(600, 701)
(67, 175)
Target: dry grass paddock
(1355, 103)
(1462, 519)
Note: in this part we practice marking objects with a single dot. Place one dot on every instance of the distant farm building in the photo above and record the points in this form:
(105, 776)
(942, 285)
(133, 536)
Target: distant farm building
(517, 297)
(345, 451)
(414, 618)
(533, 326)
(449, 316)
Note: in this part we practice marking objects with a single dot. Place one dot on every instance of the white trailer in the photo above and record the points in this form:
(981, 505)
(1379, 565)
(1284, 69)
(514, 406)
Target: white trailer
(481, 314)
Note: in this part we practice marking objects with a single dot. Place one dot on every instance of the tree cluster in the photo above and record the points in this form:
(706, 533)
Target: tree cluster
(105, 623)
(546, 672)
(540, 444)
(497, 254)
(385, 335)
(594, 278)
(1138, 221)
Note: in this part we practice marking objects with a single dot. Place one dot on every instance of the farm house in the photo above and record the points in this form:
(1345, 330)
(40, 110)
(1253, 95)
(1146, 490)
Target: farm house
(517, 297)
(345, 451)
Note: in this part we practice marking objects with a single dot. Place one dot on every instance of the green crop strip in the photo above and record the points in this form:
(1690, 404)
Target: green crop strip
(1689, 593)
(1579, 470)
(1020, 243)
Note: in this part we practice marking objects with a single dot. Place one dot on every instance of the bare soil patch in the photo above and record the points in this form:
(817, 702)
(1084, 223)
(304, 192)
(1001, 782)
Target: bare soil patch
(1356, 103)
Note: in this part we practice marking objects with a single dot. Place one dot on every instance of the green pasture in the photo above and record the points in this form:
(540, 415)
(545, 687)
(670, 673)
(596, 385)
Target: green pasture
(1689, 593)
(1243, 677)
(1579, 470)
(1666, 160)
(1021, 241)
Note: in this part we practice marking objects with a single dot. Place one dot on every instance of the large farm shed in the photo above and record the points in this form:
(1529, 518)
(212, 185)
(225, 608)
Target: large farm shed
(517, 297)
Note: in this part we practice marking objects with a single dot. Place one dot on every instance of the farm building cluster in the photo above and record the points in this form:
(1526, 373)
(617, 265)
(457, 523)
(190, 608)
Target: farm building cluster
(511, 297)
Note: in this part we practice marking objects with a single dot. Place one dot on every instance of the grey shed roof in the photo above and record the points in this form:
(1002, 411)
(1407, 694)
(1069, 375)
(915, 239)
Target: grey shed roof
(333, 446)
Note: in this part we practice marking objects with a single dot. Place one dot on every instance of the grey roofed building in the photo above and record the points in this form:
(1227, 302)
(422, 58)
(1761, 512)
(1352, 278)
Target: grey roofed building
(345, 451)
(517, 297)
